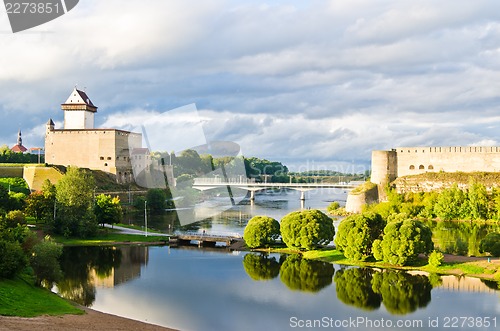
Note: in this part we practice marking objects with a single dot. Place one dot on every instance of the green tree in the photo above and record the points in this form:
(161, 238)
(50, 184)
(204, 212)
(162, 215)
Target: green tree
(356, 234)
(75, 197)
(435, 258)
(306, 229)
(156, 200)
(410, 293)
(45, 263)
(261, 231)
(477, 200)
(12, 259)
(261, 267)
(491, 244)
(306, 275)
(450, 204)
(403, 241)
(107, 209)
(354, 287)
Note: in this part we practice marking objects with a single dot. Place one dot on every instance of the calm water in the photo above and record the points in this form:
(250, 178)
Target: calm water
(214, 289)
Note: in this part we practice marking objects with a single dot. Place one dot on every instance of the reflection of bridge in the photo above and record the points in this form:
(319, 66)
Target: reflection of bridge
(203, 184)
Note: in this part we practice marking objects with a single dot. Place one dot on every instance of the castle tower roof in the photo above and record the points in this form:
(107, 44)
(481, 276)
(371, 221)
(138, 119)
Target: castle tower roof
(79, 100)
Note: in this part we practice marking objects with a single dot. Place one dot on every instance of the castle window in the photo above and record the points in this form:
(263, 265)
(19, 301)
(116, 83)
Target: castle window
(105, 164)
(109, 157)
(421, 167)
(431, 167)
(412, 167)
(102, 157)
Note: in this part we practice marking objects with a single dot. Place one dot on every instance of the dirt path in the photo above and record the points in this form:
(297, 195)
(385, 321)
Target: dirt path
(91, 320)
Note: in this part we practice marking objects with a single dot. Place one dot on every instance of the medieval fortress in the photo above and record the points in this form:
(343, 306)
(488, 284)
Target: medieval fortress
(79, 143)
(387, 166)
(404, 161)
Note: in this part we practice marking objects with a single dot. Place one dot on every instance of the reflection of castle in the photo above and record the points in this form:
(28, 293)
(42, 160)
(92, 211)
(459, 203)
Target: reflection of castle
(82, 145)
(460, 284)
(132, 259)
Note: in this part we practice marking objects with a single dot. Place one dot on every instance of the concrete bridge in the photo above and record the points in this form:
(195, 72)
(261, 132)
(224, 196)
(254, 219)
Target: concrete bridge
(203, 184)
(204, 239)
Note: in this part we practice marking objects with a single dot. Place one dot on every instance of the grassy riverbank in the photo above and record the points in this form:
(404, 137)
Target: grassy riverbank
(19, 297)
(112, 238)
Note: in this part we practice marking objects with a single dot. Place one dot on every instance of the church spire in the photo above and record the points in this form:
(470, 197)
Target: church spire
(19, 139)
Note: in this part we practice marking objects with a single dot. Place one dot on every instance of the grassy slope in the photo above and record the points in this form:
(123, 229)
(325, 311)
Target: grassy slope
(110, 239)
(18, 297)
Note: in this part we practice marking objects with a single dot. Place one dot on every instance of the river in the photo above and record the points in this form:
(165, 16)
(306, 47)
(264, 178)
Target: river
(215, 289)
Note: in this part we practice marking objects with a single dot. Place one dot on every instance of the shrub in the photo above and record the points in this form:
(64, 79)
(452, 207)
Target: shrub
(403, 241)
(436, 258)
(356, 235)
(306, 229)
(333, 206)
(15, 217)
(490, 244)
(12, 259)
(261, 231)
(45, 262)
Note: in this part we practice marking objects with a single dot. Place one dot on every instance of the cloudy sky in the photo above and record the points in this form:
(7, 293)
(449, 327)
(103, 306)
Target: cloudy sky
(310, 83)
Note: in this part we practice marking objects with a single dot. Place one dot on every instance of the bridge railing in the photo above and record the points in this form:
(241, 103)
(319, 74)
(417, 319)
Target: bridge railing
(220, 180)
(209, 235)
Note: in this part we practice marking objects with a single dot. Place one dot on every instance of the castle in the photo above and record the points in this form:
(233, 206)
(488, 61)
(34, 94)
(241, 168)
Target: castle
(404, 161)
(80, 144)
(387, 166)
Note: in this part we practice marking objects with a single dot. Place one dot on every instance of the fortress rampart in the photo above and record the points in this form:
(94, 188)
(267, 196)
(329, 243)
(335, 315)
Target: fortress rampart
(404, 161)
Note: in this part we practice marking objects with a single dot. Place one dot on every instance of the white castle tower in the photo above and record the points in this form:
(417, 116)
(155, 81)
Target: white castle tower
(78, 111)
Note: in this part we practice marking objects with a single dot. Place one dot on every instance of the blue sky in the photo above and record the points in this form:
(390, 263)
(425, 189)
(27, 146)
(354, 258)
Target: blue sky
(315, 84)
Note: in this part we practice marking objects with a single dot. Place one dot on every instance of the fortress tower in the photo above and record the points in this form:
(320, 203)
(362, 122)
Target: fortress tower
(78, 111)
(80, 144)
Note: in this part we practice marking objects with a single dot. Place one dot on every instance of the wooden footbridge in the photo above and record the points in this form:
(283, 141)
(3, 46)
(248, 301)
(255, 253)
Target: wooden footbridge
(204, 239)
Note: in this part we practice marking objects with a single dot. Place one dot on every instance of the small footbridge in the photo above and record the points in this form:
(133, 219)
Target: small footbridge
(203, 184)
(204, 239)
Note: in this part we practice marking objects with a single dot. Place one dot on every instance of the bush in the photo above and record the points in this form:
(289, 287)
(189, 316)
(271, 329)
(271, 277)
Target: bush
(333, 206)
(12, 259)
(306, 229)
(356, 235)
(261, 231)
(45, 262)
(490, 244)
(15, 217)
(403, 241)
(436, 258)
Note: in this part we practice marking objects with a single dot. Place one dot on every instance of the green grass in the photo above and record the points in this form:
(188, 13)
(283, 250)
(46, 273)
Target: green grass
(109, 239)
(18, 297)
(137, 227)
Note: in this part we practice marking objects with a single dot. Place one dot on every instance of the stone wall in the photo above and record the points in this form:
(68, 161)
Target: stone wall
(356, 199)
(100, 149)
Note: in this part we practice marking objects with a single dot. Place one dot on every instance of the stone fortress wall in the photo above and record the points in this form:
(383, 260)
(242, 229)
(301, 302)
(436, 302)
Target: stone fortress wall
(404, 161)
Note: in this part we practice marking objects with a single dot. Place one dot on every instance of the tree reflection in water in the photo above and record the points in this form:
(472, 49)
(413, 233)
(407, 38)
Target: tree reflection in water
(261, 267)
(354, 287)
(306, 275)
(401, 292)
(78, 265)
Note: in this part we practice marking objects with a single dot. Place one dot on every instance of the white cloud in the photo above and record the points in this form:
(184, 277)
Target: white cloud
(316, 80)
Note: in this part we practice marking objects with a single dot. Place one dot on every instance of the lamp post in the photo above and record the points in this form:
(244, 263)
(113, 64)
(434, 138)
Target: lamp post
(146, 217)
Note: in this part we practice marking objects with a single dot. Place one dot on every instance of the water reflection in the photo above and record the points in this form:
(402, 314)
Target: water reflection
(261, 266)
(86, 268)
(401, 292)
(460, 238)
(354, 288)
(306, 275)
